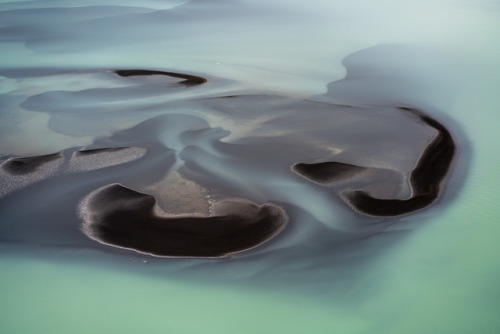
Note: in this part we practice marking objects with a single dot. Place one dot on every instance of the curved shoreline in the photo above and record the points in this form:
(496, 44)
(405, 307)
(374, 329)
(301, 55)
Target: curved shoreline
(28, 165)
(122, 217)
(425, 179)
(189, 80)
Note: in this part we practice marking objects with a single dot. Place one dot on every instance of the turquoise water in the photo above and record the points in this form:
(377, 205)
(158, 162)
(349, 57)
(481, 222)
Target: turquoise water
(435, 271)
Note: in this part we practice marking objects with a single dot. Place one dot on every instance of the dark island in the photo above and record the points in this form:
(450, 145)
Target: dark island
(122, 217)
(189, 80)
(425, 179)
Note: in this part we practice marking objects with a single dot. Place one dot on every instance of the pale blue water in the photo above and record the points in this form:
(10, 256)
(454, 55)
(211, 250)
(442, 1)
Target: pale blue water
(331, 270)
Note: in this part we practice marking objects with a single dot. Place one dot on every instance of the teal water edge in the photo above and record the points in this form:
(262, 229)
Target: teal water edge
(205, 107)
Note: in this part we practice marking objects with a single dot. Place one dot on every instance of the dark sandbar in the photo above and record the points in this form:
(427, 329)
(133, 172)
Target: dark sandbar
(425, 179)
(122, 217)
(28, 165)
(100, 150)
(189, 80)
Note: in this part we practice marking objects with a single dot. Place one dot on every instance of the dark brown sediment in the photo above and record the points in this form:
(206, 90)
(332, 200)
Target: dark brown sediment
(189, 80)
(327, 172)
(99, 150)
(28, 165)
(122, 217)
(425, 179)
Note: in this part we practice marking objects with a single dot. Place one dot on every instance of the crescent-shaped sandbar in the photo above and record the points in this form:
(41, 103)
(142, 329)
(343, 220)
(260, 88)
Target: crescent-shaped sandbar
(189, 80)
(125, 218)
(425, 179)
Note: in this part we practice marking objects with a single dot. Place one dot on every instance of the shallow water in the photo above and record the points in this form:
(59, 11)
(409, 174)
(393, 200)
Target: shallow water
(288, 82)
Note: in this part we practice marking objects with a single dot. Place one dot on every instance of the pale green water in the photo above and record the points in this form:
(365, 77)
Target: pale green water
(441, 278)
(69, 298)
